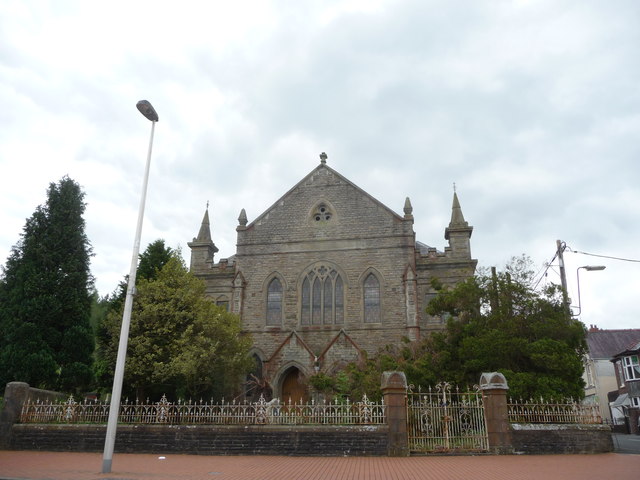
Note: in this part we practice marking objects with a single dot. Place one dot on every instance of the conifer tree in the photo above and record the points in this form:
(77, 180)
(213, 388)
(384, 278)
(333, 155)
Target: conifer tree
(154, 257)
(45, 296)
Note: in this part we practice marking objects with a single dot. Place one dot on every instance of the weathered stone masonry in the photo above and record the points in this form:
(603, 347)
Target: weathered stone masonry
(323, 228)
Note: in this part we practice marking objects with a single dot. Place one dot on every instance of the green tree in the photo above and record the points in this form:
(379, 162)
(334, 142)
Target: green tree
(494, 323)
(180, 343)
(45, 296)
(498, 322)
(151, 261)
(154, 257)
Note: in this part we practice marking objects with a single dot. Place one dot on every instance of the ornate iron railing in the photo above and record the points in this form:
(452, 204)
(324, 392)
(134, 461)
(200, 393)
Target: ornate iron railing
(543, 411)
(446, 419)
(261, 412)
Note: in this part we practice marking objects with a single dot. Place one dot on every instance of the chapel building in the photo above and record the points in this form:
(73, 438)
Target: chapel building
(326, 274)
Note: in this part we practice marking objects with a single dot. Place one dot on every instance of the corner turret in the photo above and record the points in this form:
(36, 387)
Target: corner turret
(202, 247)
(458, 232)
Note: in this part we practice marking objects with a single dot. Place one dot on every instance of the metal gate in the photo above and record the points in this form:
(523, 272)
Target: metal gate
(443, 420)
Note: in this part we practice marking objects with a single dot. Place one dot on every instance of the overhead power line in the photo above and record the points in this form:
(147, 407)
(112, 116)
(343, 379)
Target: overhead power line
(542, 274)
(605, 256)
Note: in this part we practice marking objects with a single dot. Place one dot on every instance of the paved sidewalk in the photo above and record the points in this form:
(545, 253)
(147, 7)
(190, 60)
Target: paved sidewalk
(86, 466)
(626, 443)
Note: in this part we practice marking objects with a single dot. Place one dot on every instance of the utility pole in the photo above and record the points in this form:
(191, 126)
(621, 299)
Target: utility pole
(563, 276)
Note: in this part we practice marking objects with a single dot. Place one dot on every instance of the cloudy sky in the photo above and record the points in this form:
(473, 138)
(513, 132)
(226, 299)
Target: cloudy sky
(532, 108)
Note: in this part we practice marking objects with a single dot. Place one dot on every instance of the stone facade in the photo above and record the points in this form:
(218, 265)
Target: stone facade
(326, 274)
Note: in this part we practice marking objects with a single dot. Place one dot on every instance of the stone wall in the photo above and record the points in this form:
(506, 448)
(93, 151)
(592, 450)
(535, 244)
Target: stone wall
(536, 439)
(389, 439)
(15, 394)
(285, 440)
(206, 439)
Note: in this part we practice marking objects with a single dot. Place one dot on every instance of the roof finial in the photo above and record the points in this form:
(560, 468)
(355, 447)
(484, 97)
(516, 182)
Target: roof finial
(323, 158)
(242, 219)
(207, 204)
(454, 187)
(408, 209)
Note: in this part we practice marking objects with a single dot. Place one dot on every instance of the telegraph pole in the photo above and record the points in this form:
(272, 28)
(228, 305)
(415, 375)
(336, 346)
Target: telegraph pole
(563, 276)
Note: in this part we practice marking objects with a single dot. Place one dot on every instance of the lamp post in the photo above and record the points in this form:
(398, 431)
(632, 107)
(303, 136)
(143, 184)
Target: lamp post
(148, 111)
(588, 268)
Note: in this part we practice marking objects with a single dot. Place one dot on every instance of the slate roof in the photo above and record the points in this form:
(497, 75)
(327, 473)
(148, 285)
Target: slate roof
(423, 248)
(604, 344)
(632, 349)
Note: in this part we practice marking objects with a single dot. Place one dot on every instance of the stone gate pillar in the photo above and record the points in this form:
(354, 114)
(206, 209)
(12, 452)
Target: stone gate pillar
(15, 394)
(494, 395)
(394, 391)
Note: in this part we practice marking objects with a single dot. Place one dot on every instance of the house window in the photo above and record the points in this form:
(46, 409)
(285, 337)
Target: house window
(322, 297)
(371, 299)
(274, 302)
(631, 367)
(589, 374)
(620, 374)
(635, 401)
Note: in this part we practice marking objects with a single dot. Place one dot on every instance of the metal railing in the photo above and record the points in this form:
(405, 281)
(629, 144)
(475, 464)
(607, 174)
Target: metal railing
(261, 412)
(446, 419)
(549, 411)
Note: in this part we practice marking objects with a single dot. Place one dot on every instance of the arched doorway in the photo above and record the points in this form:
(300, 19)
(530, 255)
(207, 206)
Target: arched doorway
(294, 386)
(255, 383)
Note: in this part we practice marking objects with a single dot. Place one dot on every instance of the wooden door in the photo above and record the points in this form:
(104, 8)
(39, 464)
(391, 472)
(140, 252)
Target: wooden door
(294, 387)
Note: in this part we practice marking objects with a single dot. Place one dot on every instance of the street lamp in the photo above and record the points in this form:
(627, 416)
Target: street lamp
(149, 112)
(588, 268)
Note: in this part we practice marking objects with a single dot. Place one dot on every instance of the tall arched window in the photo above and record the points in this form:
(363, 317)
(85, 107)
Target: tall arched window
(274, 302)
(339, 300)
(371, 299)
(322, 297)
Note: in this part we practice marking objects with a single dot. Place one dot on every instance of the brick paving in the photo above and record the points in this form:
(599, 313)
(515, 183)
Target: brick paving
(86, 466)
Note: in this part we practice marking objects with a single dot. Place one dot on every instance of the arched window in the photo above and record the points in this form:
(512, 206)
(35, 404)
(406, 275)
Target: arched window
(371, 299)
(322, 297)
(316, 306)
(306, 302)
(339, 300)
(274, 302)
(223, 301)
